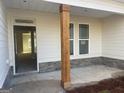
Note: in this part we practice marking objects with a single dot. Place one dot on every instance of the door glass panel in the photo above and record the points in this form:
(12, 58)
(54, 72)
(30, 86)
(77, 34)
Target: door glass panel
(35, 43)
(26, 38)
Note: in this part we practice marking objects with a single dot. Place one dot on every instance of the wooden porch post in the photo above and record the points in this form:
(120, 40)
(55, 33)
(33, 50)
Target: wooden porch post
(65, 45)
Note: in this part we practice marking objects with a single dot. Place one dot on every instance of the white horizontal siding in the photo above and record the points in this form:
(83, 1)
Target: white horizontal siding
(3, 45)
(48, 35)
(113, 37)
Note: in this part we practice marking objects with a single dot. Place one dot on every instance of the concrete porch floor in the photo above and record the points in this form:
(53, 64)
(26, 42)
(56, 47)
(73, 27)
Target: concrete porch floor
(49, 82)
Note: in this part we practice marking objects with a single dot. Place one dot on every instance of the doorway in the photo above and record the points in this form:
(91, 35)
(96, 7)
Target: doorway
(25, 49)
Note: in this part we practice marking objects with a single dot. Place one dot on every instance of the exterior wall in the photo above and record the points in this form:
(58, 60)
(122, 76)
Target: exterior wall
(3, 45)
(48, 35)
(113, 37)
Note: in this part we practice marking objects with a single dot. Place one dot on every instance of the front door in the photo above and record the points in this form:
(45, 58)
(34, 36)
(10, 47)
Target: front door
(25, 49)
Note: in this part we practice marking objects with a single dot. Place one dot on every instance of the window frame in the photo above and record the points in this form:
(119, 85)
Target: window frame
(84, 39)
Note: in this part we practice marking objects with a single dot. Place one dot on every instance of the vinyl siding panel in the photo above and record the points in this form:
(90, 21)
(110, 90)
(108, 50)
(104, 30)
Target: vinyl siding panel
(113, 37)
(3, 44)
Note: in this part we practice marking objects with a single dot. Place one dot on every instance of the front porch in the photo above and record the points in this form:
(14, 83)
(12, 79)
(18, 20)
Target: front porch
(73, 45)
(50, 82)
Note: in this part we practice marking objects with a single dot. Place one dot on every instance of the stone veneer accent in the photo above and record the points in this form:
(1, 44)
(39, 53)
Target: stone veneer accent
(53, 66)
(6, 84)
(111, 62)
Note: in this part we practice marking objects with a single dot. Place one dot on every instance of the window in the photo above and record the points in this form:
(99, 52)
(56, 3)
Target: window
(71, 39)
(83, 39)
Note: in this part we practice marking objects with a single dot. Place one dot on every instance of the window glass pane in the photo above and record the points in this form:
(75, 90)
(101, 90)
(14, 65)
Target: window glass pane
(83, 46)
(71, 31)
(71, 47)
(83, 31)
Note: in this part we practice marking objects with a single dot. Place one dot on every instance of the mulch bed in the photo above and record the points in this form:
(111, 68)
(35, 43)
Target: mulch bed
(106, 86)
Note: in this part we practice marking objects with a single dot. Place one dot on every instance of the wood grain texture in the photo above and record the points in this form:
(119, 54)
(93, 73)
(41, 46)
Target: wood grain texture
(65, 45)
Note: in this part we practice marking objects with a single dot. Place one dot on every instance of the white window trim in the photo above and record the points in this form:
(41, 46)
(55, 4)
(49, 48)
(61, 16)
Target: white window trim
(83, 39)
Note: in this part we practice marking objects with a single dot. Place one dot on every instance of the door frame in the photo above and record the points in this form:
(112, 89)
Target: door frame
(14, 65)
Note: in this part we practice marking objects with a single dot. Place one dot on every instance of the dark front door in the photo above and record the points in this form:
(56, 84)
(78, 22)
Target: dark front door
(25, 49)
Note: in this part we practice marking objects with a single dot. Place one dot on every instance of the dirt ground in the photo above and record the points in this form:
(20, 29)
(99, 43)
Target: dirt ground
(115, 85)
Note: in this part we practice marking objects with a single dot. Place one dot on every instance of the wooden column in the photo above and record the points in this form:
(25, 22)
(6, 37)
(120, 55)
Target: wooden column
(65, 45)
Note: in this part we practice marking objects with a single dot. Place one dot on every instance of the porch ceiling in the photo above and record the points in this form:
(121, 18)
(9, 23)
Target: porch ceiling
(39, 5)
(122, 1)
